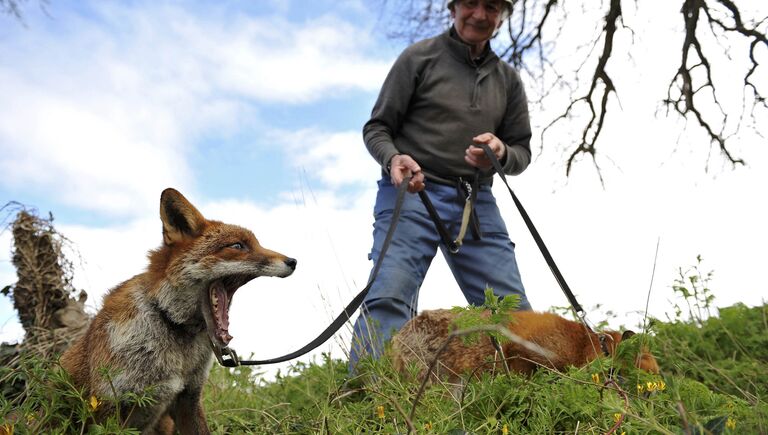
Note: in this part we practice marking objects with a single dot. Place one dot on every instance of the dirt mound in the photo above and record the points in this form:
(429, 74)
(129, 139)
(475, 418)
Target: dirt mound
(50, 309)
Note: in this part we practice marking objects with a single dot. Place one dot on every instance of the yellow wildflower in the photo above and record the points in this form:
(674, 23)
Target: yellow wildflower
(616, 417)
(94, 403)
(730, 423)
(380, 412)
(428, 426)
(505, 430)
(595, 378)
(640, 388)
(651, 386)
(662, 386)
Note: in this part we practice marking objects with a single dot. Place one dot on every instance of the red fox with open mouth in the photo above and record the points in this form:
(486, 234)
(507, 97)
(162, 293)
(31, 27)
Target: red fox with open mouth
(157, 329)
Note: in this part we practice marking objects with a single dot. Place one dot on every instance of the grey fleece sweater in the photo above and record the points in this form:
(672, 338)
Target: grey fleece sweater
(435, 100)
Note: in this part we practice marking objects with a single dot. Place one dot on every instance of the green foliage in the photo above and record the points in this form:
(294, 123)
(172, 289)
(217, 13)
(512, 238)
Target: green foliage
(318, 398)
(493, 311)
(728, 352)
(713, 382)
(692, 286)
(50, 403)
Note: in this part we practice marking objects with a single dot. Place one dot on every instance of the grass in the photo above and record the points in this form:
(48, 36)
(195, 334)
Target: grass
(318, 398)
(714, 380)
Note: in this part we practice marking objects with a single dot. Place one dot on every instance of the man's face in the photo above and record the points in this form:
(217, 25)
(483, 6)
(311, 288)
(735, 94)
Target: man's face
(476, 20)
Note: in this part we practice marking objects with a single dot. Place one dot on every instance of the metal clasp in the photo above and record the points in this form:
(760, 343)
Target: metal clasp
(467, 188)
(227, 357)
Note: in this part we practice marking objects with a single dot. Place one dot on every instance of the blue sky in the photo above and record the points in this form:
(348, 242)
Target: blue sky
(254, 109)
(216, 88)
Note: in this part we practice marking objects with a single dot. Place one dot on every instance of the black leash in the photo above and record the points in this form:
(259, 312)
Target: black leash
(228, 357)
(439, 225)
(537, 237)
(470, 189)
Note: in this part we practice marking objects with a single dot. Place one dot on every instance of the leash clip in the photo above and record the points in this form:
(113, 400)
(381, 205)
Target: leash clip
(465, 216)
(582, 315)
(468, 189)
(226, 356)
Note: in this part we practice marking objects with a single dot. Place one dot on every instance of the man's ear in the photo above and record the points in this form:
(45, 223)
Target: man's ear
(627, 334)
(180, 218)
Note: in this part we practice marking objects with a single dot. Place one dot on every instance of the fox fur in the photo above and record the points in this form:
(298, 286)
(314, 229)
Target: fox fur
(567, 343)
(156, 329)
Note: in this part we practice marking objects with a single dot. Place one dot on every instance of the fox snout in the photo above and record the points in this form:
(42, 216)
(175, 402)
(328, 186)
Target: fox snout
(290, 265)
(279, 265)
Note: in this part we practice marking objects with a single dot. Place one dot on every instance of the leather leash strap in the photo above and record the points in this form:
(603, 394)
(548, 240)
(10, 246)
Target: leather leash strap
(439, 225)
(228, 357)
(467, 216)
(537, 237)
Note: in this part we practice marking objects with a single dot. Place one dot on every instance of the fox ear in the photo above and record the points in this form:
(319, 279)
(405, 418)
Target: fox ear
(627, 334)
(180, 218)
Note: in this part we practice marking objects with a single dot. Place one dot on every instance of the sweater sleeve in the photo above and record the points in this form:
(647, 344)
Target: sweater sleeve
(390, 108)
(515, 129)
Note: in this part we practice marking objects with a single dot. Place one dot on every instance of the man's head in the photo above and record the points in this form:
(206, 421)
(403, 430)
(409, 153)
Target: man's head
(477, 20)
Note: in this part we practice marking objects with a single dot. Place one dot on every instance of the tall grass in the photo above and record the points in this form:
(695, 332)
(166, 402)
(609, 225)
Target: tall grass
(714, 380)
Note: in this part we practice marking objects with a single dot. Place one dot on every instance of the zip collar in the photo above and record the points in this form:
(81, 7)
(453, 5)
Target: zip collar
(462, 52)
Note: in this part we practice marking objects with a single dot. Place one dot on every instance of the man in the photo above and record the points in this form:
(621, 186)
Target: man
(443, 97)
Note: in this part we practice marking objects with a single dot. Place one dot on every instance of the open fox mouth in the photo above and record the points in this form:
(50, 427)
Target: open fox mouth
(219, 299)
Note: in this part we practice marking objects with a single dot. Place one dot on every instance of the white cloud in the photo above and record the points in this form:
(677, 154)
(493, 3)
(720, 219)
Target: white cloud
(104, 112)
(336, 158)
(304, 64)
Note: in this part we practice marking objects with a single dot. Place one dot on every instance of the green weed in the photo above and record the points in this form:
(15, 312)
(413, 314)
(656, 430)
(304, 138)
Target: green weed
(713, 381)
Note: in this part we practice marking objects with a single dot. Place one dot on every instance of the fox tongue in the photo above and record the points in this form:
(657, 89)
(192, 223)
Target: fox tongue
(221, 313)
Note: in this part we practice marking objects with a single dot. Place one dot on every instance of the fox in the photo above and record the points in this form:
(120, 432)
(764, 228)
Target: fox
(546, 340)
(156, 331)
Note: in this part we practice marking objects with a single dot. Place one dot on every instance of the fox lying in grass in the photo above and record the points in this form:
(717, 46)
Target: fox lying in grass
(156, 330)
(563, 343)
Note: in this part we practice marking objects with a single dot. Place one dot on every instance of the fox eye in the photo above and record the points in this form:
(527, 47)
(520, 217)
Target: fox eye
(237, 245)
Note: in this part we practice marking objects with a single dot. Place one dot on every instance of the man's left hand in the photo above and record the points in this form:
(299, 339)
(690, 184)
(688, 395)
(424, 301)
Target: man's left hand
(475, 155)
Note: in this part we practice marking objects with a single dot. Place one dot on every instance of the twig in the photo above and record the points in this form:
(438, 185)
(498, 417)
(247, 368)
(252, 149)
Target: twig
(683, 418)
(650, 286)
(623, 395)
(487, 328)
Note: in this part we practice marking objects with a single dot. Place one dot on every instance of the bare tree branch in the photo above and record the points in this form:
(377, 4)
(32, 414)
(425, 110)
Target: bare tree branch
(684, 87)
(529, 34)
(601, 77)
(535, 26)
(751, 33)
(13, 8)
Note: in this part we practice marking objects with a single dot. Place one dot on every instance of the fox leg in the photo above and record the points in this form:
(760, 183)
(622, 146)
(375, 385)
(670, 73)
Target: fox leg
(142, 417)
(187, 412)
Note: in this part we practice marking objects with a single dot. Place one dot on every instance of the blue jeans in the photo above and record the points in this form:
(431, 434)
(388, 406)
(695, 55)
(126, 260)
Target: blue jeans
(392, 299)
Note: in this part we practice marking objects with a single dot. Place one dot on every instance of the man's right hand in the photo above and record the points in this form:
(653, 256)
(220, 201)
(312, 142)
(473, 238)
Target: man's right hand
(402, 166)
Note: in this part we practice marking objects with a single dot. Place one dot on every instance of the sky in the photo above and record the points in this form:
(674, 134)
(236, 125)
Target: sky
(254, 111)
